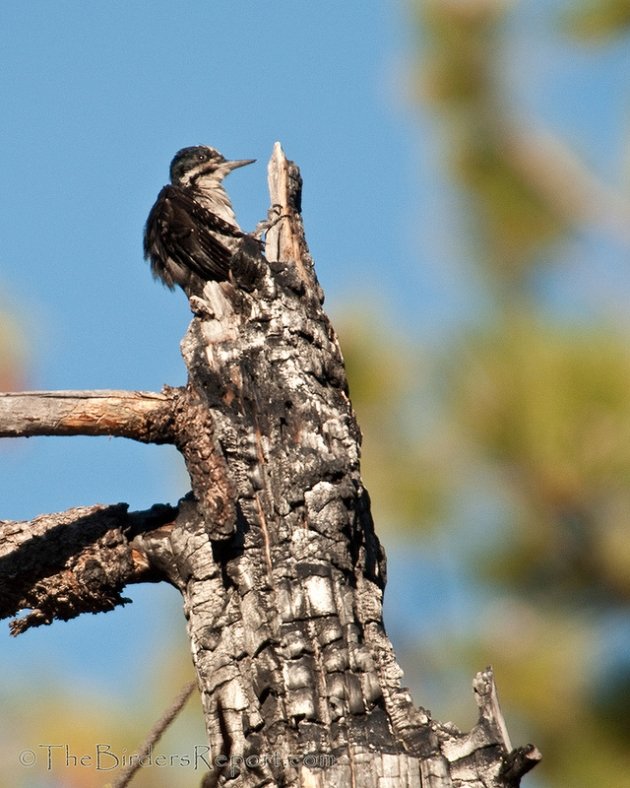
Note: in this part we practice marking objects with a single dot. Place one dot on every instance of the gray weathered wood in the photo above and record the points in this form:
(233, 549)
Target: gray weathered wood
(141, 415)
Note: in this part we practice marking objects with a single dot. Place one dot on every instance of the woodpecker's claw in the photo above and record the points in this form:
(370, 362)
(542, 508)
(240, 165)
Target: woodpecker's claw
(199, 307)
(274, 215)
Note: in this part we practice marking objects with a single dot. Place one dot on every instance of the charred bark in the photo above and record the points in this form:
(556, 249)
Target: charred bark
(61, 565)
(274, 550)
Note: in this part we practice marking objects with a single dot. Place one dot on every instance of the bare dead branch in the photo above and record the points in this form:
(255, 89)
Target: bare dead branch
(155, 734)
(141, 415)
(61, 565)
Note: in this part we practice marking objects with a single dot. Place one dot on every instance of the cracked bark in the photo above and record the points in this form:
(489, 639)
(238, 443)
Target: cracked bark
(274, 549)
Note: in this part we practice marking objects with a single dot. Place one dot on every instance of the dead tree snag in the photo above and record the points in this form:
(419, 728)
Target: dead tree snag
(273, 550)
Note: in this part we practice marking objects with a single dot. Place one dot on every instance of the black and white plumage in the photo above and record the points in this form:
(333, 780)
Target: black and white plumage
(191, 235)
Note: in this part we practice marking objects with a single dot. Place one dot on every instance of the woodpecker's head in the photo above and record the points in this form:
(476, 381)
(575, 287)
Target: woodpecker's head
(202, 166)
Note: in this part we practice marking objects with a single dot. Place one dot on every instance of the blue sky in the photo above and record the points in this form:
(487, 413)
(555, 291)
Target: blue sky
(96, 101)
(96, 98)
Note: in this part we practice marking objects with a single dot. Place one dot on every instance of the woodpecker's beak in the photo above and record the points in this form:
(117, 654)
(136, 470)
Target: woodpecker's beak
(232, 165)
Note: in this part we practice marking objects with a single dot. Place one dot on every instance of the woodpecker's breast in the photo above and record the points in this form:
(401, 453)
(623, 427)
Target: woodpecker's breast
(217, 202)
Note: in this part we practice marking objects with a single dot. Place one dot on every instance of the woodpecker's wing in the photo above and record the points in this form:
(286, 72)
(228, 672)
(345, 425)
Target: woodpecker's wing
(181, 234)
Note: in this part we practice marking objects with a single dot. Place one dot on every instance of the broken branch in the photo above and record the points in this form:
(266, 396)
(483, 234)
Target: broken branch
(141, 415)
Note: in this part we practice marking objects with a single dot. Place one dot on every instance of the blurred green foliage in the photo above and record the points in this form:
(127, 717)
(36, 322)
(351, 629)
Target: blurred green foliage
(550, 405)
(537, 402)
(513, 221)
(385, 389)
(600, 19)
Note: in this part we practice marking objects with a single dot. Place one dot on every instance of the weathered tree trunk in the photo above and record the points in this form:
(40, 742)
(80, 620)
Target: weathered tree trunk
(274, 550)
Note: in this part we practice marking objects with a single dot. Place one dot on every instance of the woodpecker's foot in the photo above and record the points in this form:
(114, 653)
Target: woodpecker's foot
(199, 307)
(274, 214)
